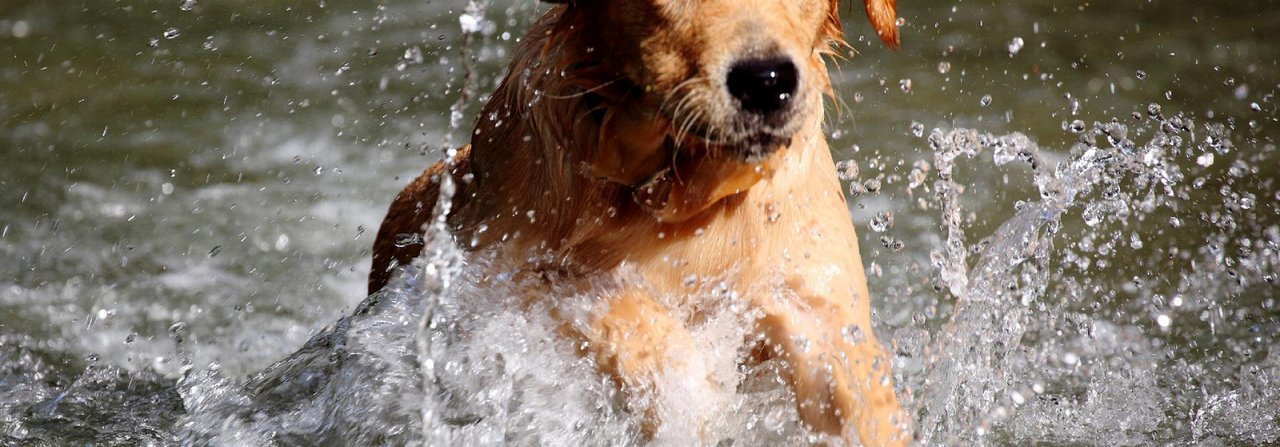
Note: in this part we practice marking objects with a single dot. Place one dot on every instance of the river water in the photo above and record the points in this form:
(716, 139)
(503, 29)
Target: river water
(1069, 212)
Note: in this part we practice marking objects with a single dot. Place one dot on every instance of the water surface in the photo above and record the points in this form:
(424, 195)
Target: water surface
(1098, 266)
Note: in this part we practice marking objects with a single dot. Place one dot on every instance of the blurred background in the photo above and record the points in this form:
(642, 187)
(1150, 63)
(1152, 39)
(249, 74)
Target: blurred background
(225, 164)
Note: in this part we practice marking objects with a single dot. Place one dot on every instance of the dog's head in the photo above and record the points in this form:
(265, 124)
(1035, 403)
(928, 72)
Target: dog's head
(716, 86)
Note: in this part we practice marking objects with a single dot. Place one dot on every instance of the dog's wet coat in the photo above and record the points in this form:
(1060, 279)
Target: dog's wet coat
(675, 139)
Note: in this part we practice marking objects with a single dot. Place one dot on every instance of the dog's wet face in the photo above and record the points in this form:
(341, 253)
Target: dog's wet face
(697, 100)
(738, 76)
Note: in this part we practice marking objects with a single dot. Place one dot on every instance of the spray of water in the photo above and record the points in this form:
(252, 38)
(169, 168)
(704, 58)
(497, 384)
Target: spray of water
(1017, 364)
(1038, 347)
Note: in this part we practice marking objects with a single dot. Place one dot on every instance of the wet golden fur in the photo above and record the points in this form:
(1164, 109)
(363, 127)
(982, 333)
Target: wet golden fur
(611, 146)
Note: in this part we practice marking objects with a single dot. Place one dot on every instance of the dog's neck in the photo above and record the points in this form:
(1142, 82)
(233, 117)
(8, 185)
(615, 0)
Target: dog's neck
(565, 145)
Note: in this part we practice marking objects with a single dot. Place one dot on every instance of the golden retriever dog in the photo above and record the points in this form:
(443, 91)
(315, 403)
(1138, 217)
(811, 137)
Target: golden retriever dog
(676, 140)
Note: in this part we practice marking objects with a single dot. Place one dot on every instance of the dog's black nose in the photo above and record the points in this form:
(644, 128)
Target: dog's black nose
(763, 86)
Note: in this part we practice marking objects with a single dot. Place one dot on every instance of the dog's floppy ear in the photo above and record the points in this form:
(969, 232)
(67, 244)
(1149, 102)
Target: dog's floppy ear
(884, 18)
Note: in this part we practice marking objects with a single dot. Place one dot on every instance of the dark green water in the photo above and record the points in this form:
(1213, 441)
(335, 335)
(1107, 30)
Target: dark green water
(226, 166)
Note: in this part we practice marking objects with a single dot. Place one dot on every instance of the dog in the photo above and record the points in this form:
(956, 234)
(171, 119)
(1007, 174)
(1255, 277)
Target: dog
(675, 140)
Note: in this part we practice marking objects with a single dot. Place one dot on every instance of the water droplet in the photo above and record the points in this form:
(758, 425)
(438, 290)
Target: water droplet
(1164, 321)
(187, 5)
(905, 85)
(856, 189)
(1141, 75)
(1153, 110)
(847, 170)
(166, 188)
(1247, 202)
(178, 328)
(172, 33)
(1092, 214)
(801, 343)
(882, 221)
(917, 129)
(1076, 126)
(985, 100)
(282, 242)
(1242, 92)
(470, 22)
(871, 185)
(1015, 45)
(412, 55)
(918, 174)
(20, 29)
(852, 334)
(690, 281)
(944, 67)
(1205, 159)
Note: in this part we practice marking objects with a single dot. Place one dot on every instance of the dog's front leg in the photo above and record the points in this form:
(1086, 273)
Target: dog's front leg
(839, 372)
(637, 341)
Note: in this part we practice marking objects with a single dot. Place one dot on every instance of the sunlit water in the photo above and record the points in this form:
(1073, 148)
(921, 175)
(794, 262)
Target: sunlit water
(1069, 217)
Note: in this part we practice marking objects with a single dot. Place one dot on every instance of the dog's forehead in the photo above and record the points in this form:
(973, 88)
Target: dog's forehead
(655, 16)
(696, 10)
(718, 24)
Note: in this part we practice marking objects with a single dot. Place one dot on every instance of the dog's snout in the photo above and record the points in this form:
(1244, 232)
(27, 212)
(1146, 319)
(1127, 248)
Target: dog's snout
(763, 86)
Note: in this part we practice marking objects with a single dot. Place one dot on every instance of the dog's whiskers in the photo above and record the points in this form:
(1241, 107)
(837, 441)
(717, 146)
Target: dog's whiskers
(683, 118)
(681, 123)
(688, 122)
(679, 113)
(683, 84)
(583, 92)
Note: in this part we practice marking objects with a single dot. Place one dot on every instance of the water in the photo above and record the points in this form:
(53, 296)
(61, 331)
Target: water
(1074, 242)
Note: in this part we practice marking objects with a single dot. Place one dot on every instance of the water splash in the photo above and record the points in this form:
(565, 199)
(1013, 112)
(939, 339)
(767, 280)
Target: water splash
(492, 372)
(444, 356)
(1178, 352)
(1007, 369)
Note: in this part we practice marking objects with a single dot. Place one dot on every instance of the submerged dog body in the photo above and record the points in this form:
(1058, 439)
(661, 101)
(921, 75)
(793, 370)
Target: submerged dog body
(675, 141)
